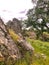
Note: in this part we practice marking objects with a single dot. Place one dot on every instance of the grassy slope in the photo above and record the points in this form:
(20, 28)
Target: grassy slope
(37, 59)
(40, 48)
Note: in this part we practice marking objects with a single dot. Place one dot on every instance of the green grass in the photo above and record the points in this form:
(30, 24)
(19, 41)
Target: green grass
(40, 48)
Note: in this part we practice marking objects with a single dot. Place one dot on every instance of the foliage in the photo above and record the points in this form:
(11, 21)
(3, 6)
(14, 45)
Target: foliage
(45, 36)
(2, 63)
(38, 17)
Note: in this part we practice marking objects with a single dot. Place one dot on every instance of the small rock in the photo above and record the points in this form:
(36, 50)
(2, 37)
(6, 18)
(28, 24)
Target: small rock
(37, 55)
(43, 56)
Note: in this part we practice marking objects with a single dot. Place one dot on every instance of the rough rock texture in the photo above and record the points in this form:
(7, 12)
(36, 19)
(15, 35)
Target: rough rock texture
(7, 46)
(15, 25)
(25, 45)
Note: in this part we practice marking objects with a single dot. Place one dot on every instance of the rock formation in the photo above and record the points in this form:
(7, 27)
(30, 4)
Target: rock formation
(15, 25)
(8, 47)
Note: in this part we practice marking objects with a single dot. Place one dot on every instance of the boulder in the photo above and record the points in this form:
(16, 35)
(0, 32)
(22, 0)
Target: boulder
(7, 45)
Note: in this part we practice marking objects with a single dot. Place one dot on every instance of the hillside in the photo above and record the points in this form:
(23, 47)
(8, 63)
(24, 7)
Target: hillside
(24, 32)
(12, 46)
(22, 50)
(41, 53)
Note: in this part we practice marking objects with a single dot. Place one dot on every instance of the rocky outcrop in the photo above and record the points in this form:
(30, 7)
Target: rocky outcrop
(8, 47)
(15, 25)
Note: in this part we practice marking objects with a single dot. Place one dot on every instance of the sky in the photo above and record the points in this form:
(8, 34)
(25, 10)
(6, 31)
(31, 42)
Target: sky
(14, 8)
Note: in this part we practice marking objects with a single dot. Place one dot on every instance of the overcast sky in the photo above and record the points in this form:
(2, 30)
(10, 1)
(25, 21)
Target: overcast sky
(14, 8)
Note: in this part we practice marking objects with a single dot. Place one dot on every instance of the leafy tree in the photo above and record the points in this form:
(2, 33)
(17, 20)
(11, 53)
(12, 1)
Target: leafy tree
(38, 17)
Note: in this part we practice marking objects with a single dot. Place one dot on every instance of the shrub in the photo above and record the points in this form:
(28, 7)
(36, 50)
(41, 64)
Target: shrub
(46, 36)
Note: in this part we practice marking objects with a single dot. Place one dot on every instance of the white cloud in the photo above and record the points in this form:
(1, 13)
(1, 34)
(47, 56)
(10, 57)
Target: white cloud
(11, 8)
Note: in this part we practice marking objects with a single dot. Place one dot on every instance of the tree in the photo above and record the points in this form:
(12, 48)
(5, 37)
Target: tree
(38, 17)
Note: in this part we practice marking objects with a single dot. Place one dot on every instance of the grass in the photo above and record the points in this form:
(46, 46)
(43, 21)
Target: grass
(14, 36)
(26, 60)
(40, 48)
(37, 58)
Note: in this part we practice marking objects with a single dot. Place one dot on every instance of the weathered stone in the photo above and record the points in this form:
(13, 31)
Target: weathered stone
(1, 57)
(7, 45)
(25, 45)
(8, 48)
(44, 56)
(15, 25)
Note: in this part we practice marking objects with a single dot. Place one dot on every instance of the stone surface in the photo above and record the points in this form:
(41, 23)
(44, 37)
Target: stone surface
(15, 25)
(8, 48)
(7, 45)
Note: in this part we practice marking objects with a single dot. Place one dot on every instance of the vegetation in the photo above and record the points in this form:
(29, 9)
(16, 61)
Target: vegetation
(41, 54)
(38, 17)
(40, 57)
(14, 36)
(38, 20)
